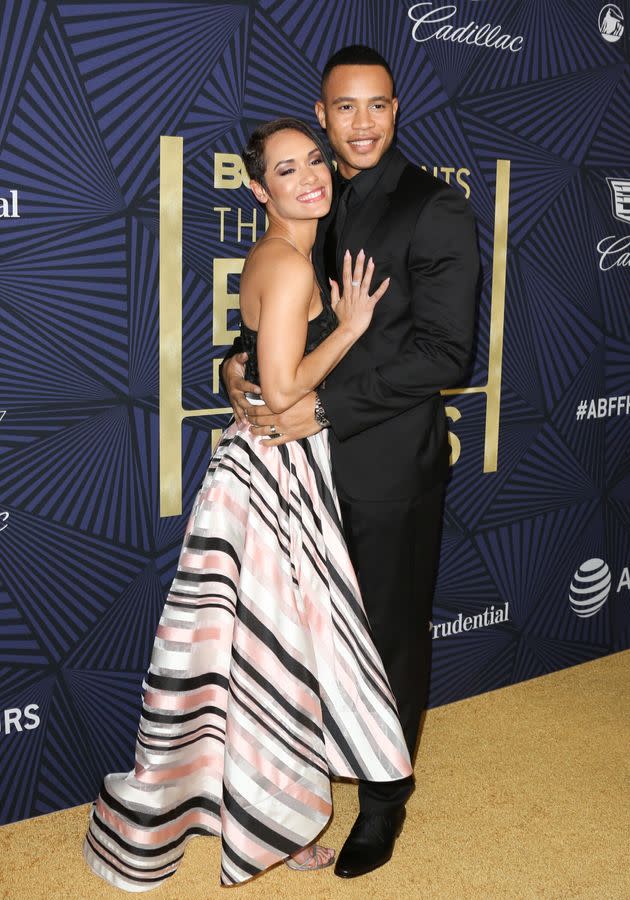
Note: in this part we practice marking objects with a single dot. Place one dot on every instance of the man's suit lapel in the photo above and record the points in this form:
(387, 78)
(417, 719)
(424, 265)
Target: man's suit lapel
(357, 234)
(319, 249)
(360, 225)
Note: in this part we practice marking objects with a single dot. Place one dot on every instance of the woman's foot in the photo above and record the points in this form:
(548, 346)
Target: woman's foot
(311, 858)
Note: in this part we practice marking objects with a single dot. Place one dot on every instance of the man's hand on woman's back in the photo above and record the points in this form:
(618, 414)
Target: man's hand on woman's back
(233, 376)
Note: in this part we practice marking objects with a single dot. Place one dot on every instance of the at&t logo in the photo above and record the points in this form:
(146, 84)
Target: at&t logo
(591, 586)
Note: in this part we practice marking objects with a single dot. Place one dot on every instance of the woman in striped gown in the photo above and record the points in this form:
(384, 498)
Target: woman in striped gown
(264, 680)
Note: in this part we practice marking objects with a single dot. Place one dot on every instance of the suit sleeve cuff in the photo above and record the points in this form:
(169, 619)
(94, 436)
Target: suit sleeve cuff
(332, 404)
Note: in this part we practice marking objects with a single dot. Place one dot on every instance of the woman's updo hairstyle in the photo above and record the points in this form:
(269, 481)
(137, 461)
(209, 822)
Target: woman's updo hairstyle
(254, 152)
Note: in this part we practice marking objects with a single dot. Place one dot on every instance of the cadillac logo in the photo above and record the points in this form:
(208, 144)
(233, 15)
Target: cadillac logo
(620, 191)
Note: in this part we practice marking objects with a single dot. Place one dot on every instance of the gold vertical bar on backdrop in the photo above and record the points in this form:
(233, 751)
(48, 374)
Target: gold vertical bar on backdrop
(492, 388)
(216, 437)
(170, 330)
(497, 315)
(171, 410)
(216, 368)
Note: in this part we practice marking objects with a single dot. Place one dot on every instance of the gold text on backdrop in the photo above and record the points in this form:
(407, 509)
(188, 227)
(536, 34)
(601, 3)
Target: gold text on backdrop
(229, 174)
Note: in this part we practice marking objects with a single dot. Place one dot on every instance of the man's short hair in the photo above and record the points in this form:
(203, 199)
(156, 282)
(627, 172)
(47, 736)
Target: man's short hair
(356, 55)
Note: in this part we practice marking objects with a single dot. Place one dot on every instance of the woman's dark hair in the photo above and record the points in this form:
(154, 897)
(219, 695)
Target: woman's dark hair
(254, 152)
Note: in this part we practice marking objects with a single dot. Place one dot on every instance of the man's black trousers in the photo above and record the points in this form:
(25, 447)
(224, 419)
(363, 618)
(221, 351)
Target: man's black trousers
(394, 547)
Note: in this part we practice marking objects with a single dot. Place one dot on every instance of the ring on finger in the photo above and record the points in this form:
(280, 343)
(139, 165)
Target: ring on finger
(355, 283)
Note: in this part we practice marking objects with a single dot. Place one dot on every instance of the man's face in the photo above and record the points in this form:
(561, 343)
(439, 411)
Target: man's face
(358, 111)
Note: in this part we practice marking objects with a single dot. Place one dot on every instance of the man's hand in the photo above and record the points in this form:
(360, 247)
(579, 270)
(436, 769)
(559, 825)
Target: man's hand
(233, 373)
(291, 425)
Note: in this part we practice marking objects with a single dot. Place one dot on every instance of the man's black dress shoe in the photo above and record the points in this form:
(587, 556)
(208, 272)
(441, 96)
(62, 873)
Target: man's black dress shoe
(370, 844)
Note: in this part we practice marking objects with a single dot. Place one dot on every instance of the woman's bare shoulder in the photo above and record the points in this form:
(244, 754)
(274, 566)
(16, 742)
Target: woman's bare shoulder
(278, 259)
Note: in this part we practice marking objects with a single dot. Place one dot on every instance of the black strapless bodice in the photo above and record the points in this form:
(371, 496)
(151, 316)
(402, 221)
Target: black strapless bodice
(318, 329)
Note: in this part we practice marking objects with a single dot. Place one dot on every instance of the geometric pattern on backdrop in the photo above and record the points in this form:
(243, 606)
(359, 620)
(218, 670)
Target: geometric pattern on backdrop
(86, 90)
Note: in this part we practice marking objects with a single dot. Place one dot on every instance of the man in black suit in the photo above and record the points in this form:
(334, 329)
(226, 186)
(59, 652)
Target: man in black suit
(388, 431)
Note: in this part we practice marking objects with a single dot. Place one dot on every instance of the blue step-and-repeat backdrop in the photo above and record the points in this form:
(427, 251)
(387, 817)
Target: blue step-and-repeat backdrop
(524, 105)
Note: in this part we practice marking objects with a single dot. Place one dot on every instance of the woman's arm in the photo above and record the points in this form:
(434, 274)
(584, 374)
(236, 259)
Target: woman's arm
(286, 375)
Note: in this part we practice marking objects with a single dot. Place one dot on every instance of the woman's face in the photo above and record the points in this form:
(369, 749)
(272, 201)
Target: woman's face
(298, 181)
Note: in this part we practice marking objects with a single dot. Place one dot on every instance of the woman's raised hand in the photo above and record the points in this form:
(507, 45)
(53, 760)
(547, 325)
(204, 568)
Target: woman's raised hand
(355, 308)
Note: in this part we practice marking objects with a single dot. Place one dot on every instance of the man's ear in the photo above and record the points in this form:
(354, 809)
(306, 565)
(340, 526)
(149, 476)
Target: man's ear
(320, 112)
(259, 191)
(395, 107)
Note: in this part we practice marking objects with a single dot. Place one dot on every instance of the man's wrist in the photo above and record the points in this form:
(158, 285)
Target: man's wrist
(320, 412)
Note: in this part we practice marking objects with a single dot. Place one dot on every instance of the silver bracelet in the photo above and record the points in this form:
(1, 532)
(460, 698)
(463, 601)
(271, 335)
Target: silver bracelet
(320, 414)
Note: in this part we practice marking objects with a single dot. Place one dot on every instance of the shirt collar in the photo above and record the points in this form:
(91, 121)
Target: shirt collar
(364, 181)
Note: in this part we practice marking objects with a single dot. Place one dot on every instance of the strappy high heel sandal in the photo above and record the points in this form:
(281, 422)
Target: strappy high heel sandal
(318, 857)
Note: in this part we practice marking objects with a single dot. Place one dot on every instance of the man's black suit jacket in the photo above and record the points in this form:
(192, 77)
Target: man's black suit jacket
(389, 437)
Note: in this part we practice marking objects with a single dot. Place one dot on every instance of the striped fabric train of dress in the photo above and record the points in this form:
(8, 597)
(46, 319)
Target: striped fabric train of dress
(263, 682)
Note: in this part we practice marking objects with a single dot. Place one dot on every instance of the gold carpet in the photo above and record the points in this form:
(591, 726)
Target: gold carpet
(522, 793)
